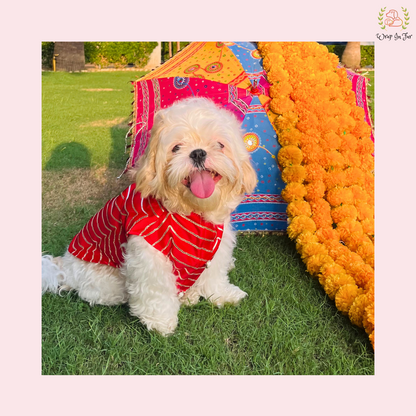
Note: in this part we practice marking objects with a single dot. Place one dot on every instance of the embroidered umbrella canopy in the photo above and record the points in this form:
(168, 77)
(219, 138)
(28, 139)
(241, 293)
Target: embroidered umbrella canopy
(232, 75)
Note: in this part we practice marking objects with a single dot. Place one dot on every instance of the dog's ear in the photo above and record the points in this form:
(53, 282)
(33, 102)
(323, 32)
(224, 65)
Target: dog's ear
(249, 177)
(145, 173)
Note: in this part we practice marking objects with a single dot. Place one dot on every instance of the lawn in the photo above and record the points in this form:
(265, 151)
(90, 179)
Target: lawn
(287, 325)
(370, 93)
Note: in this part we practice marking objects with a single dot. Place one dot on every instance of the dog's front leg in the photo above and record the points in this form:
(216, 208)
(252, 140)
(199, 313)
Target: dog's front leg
(213, 283)
(151, 286)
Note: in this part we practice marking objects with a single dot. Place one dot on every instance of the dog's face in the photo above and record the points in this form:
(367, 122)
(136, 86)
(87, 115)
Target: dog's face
(196, 160)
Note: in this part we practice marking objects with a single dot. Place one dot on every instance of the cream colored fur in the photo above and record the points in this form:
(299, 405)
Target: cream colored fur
(146, 280)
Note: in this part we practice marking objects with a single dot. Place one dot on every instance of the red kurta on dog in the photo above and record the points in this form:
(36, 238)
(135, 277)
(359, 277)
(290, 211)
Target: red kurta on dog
(189, 242)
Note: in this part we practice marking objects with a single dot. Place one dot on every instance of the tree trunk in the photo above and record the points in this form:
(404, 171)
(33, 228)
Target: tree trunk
(70, 56)
(351, 57)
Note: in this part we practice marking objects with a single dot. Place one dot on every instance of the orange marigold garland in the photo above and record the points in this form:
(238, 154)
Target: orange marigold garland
(327, 164)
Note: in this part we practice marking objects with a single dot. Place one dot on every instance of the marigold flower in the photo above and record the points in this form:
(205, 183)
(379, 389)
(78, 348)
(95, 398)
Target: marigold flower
(354, 240)
(334, 178)
(365, 211)
(351, 159)
(362, 273)
(365, 145)
(273, 59)
(355, 176)
(325, 234)
(269, 47)
(280, 89)
(330, 141)
(300, 224)
(282, 123)
(368, 320)
(345, 296)
(331, 268)
(312, 153)
(330, 124)
(359, 195)
(321, 213)
(367, 162)
(289, 156)
(357, 310)
(276, 74)
(336, 249)
(311, 249)
(281, 105)
(296, 173)
(348, 143)
(366, 249)
(369, 184)
(351, 262)
(346, 123)
(315, 191)
(298, 207)
(305, 237)
(315, 172)
(334, 281)
(368, 226)
(315, 262)
(290, 136)
(307, 121)
(334, 160)
(310, 136)
(363, 130)
(293, 192)
(358, 113)
(347, 227)
(344, 212)
(338, 196)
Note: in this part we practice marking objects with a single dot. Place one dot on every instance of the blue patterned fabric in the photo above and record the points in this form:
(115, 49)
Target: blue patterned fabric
(264, 210)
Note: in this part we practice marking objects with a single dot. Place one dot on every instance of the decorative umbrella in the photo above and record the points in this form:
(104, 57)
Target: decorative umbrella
(232, 75)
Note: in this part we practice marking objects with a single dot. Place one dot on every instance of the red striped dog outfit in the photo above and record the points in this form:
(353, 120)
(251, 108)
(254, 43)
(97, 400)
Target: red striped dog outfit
(189, 242)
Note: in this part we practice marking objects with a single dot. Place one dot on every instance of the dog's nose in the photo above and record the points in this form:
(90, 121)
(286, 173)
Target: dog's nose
(198, 157)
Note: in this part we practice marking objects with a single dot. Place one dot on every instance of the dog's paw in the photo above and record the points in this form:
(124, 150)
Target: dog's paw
(231, 295)
(163, 327)
(190, 297)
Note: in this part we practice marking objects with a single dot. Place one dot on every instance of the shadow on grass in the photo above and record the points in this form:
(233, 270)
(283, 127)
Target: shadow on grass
(69, 155)
(72, 155)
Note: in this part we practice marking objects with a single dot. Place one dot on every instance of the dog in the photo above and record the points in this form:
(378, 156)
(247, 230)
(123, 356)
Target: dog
(167, 239)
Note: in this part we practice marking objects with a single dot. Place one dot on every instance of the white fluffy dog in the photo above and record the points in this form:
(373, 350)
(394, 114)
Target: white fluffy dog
(167, 239)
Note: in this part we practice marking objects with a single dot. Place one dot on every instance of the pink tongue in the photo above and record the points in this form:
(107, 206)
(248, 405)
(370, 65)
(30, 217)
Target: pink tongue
(202, 184)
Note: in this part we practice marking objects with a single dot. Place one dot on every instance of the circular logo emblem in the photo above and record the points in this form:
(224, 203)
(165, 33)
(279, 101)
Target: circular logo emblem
(251, 141)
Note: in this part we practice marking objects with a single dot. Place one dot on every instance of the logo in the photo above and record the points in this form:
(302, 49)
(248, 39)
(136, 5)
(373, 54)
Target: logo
(393, 23)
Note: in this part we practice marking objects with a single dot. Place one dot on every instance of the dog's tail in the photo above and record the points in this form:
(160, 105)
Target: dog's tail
(52, 275)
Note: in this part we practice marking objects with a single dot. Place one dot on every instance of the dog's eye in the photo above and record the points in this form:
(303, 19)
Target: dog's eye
(175, 149)
(221, 145)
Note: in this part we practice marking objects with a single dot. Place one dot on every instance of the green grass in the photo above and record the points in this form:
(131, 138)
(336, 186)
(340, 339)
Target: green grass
(287, 325)
(370, 93)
